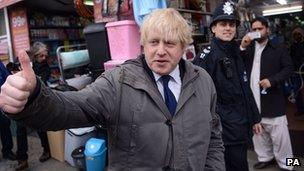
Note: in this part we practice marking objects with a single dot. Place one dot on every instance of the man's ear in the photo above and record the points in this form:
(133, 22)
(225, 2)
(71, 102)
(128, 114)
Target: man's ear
(268, 31)
(213, 29)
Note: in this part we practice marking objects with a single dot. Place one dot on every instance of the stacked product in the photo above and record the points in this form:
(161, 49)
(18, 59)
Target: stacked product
(123, 41)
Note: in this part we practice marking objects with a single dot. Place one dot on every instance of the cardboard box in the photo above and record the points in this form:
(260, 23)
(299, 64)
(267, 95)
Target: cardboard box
(56, 141)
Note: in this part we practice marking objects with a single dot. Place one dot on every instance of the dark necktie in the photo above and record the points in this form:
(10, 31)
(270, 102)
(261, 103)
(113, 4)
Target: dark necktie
(169, 96)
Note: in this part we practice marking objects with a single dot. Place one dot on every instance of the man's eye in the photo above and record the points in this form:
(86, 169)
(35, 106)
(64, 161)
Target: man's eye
(232, 24)
(153, 42)
(257, 29)
(170, 43)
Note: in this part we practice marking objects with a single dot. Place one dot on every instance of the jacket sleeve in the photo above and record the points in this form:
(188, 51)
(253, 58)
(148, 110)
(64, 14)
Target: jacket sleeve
(54, 110)
(4, 73)
(286, 68)
(255, 116)
(215, 156)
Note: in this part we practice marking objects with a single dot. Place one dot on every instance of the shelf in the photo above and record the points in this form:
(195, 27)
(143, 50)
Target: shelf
(194, 11)
(54, 66)
(3, 37)
(56, 27)
(54, 40)
(197, 34)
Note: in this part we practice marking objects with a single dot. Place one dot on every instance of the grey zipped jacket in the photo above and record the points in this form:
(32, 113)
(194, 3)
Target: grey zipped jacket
(142, 134)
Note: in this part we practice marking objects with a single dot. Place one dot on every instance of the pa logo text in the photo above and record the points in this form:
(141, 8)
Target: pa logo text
(293, 162)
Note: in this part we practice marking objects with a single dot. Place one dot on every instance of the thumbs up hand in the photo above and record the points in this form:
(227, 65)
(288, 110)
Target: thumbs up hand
(18, 87)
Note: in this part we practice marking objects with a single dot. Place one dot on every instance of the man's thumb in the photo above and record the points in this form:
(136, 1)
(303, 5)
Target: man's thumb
(25, 63)
(2, 104)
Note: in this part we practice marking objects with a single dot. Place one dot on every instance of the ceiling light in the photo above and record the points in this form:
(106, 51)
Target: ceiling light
(282, 2)
(283, 10)
(88, 2)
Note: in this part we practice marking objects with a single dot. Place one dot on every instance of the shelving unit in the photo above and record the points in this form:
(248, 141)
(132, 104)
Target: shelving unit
(56, 27)
(193, 11)
(55, 30)
(45, 40)
(199, 22)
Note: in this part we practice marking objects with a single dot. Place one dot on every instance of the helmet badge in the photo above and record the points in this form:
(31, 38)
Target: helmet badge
(227, 8)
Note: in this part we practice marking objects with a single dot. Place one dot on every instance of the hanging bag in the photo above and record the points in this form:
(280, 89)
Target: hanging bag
(125, 7)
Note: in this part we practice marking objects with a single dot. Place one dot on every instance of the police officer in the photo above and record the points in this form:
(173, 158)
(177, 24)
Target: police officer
(235, 105)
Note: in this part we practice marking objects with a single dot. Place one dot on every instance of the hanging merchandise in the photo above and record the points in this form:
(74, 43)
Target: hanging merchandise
(116, 7)
(110, 7)
(105, 10)
(83, 10)
(112, 10)
(125, 7)
(141, 8)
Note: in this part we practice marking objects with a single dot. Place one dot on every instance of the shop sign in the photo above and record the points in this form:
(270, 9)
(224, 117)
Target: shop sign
(19, 29)
(5, 3)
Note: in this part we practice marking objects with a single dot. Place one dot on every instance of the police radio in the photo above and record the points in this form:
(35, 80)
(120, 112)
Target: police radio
(227, 67)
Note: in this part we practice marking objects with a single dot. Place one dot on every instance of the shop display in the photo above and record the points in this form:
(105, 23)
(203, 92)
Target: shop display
(143, 8)
(197, 14)
(56, 30)
(75, 138)
(83, 10)
(99, 52)
(124, 38)
(124, 42)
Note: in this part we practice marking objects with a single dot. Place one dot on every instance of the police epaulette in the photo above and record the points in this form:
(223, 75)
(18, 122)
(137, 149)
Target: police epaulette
(205, 52)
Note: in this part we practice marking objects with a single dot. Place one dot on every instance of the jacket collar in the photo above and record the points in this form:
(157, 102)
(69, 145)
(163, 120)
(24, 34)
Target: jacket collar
(230, 48)
(270, 44)
(139, 76)
(186, 74)
(150, 73)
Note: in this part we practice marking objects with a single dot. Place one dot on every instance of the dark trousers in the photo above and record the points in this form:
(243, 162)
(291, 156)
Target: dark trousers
(44, 140)
(6, 134)
(22, 144)
(236, 157)
(296, 80)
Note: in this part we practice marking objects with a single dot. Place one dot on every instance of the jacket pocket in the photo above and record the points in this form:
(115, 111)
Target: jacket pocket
(133, 134)
(133, 128)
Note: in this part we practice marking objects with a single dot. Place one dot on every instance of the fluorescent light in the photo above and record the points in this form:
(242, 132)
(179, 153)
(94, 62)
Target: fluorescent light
(283, 10)
(88, 2)
(282, 2)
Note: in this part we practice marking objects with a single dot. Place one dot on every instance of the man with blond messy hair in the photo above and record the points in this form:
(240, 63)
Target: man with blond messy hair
(149, 104)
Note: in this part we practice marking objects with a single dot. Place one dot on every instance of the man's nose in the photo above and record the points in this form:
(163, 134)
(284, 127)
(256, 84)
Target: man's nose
(161, 49)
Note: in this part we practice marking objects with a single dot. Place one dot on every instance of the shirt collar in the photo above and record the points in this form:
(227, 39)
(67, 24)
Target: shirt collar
(175, 74)
(260, 45)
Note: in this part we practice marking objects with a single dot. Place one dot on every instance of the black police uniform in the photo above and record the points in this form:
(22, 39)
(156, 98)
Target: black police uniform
(235, 102)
